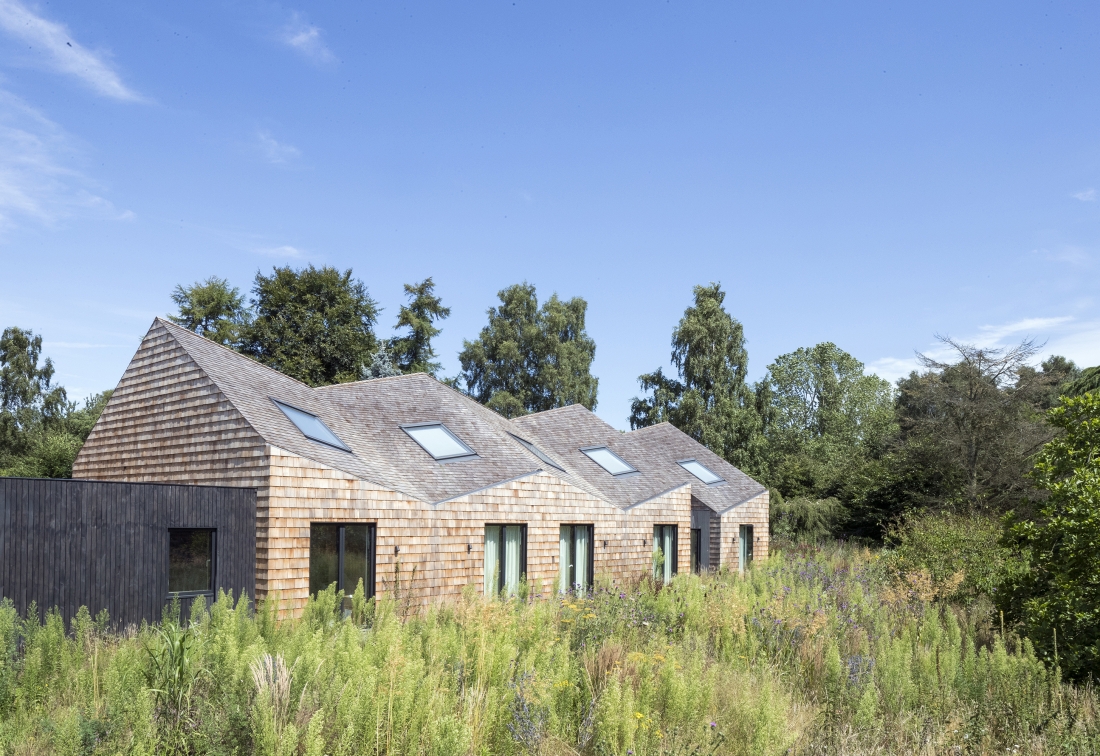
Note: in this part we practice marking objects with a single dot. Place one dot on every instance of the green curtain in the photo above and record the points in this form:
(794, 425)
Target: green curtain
(565, 534)
(492, 550)
(513, 545)
(581, 557)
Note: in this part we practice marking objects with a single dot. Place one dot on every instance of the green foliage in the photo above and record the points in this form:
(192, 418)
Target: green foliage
(802, 520)
(1059, 593)
(212, 308)
(314, 324)
(1085, 381)
(813, 651)
(710, 400)
(413, 352)
(964, 548)
(29, 403)
(41, 431)
(975, 423)
(530, 358)
(826, 421)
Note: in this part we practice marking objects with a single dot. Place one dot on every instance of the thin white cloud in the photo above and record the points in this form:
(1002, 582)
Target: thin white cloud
(1068, 253)
(285, 251)
(305, 39)
(37, 179)
(61, 52)
(274, 151)
(1064, 335)
(1086, 195)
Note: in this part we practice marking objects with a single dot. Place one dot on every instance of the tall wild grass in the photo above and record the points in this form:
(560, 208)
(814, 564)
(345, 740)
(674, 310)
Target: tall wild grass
(813, 651)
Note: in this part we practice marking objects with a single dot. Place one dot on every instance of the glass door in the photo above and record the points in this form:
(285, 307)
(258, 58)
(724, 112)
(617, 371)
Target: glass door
(505, 558)
(575, 558)
(664, 552)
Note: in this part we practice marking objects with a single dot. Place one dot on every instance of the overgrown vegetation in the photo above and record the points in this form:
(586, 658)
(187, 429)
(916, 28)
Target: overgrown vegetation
(814, 651)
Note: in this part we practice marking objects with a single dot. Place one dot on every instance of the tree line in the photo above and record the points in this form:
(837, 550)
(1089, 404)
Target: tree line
(980, 468)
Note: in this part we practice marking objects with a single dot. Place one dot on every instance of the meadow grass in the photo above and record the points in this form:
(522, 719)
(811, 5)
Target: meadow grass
(816, 650)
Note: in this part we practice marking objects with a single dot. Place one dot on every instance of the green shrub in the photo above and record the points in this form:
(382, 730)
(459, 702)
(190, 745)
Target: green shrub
(961, 553)
(813, 651)
(802, 520)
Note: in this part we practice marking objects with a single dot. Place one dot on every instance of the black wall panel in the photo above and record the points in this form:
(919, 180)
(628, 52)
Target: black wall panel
(73, 543)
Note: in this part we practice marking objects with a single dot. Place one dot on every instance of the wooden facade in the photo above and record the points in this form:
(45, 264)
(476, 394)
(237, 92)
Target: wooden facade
(73, 543)
(193, 413)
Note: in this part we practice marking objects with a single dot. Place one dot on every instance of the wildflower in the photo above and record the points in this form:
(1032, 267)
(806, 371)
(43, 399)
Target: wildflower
(713, 725)
(638, 715)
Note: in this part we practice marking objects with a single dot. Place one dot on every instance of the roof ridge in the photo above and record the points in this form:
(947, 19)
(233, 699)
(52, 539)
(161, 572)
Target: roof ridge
(233, 352)
(374, 380)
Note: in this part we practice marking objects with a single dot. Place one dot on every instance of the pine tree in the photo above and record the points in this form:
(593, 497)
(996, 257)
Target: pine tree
(413, 352)
(211, 308)
(710, 400)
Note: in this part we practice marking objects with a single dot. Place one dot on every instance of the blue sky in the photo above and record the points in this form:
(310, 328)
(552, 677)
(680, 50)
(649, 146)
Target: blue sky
(871, 174)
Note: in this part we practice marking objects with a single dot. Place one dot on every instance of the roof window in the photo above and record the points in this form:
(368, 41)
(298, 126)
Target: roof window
(311, 426)
(537, 452)
(701, 471)
(437, 440)
(609, 460)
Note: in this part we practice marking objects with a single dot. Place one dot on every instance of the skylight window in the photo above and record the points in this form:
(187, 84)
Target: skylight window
(537, 452)
(438, 441)
(700, 471)
(609, 460)
(311, 426)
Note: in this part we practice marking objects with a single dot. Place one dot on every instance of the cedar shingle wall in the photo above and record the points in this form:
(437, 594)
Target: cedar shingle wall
(168, 423)
(433, 539)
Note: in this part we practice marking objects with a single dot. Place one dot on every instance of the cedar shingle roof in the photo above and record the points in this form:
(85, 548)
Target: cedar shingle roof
(367, 416)
(654, 451)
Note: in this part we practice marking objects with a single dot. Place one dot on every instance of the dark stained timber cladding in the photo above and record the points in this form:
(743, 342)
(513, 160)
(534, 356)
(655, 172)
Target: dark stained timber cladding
(73, 543)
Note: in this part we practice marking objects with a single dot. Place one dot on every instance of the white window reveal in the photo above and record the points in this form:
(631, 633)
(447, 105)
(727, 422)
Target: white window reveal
(438, 441)
(505, 558)
(609, 460)
(311, 426)
(701, 471)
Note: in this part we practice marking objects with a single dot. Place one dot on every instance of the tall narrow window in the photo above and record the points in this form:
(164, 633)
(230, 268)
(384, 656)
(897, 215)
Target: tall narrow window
(341, 554)
(505, 558)
(696, 550)
(664, 552)
(190, 560)
(745, 552)
(575, 558)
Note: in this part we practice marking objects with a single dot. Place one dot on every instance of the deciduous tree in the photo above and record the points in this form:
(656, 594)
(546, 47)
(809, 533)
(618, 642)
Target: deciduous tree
(211, 308)
(531, 358)
(314, 324)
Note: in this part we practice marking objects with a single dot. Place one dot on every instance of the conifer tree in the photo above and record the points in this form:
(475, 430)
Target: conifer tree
(413, 353)
(211, 308)
(710, 399)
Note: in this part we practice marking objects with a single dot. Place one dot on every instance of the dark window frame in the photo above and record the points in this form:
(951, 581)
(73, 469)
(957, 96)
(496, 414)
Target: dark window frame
(573, 553)
(468, 454)
(213, 563)
(372, 556)
(501, 551)
(696, 550)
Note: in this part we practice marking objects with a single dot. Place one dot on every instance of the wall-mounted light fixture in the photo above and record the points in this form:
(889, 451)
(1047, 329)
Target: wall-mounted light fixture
(396, 550)
(469, 548)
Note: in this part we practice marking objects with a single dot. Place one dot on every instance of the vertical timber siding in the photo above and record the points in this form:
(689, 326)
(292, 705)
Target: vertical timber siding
(71, 543)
